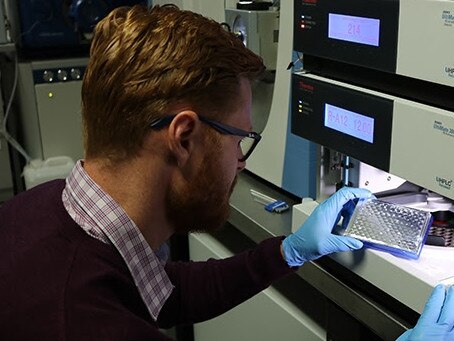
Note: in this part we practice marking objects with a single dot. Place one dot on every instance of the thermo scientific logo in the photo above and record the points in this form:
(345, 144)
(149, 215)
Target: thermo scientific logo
(442, 182)
(305, 87)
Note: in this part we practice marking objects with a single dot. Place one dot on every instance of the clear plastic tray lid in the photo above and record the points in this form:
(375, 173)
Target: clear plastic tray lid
(385, 226)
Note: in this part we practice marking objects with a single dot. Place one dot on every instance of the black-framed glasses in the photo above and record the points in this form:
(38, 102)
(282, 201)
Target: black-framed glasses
(249, 140)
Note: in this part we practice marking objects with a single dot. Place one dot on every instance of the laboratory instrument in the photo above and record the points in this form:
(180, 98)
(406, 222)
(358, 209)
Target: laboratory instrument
(49, 106)
(381, 109)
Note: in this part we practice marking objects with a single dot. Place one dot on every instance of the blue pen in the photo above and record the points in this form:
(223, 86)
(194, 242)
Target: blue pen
(271, 204)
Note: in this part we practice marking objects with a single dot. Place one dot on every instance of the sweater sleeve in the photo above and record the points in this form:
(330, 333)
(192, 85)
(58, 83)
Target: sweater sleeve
(204, 290)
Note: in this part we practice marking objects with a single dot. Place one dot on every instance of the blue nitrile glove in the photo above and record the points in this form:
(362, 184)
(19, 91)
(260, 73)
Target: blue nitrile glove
(437, 320)
(315, 238)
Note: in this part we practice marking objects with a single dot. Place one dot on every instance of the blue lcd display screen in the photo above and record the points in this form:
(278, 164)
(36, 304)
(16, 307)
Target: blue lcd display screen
(349, 122)
(354, 29)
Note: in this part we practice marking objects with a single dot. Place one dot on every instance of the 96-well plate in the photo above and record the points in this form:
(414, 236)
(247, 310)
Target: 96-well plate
(394, 228)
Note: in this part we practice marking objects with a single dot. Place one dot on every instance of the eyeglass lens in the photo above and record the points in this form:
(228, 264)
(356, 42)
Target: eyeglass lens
(246, 144)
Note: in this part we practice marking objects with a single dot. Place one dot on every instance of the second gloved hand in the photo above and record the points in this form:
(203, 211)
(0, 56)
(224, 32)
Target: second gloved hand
(437, 320)
(315, 238)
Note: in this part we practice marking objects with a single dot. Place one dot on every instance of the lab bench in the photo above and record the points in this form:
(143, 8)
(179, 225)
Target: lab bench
(322, 301)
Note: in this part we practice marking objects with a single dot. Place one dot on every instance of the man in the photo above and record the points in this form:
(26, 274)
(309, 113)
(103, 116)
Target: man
(166, 104)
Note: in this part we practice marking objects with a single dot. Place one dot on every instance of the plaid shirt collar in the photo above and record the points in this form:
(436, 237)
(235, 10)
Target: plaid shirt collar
(101, 217)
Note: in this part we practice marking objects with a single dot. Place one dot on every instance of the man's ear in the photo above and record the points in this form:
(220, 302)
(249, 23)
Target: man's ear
(183, 133)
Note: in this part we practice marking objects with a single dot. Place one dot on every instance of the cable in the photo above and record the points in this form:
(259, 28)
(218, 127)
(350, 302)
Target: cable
(3, 131)
(13, 91)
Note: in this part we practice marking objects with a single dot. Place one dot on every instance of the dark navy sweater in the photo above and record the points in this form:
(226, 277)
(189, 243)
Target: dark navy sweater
(58, 283)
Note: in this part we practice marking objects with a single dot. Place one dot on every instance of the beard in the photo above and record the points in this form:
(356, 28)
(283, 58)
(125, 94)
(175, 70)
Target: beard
(201, 202)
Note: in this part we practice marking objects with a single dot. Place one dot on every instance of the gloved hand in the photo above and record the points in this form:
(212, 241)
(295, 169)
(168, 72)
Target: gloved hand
(437, 320)
(315, 238)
